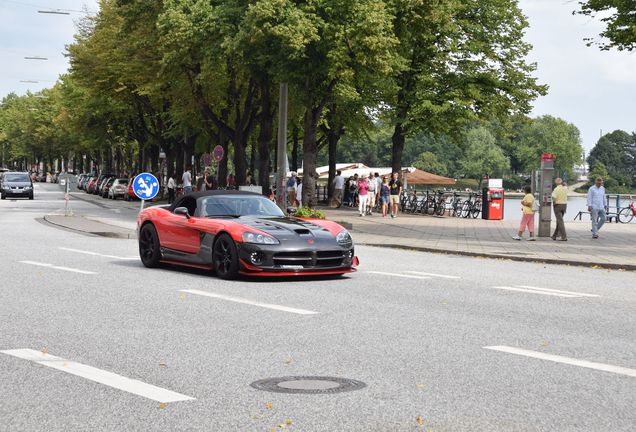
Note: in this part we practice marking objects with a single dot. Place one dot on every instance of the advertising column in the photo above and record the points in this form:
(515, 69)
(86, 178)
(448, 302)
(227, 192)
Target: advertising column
(545, 193)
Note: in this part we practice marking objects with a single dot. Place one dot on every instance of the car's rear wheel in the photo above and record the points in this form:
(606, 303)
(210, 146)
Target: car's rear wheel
(149, 249)
(225, 257)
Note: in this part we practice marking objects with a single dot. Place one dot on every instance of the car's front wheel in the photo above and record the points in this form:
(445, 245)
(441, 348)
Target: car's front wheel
(225, 257)
(149, 248)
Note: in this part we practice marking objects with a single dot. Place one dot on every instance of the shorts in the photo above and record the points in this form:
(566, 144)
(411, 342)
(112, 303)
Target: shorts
(395, 199)
(384, 200)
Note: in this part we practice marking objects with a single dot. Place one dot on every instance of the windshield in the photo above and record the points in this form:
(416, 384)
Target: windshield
(17, 178)
(239, 205)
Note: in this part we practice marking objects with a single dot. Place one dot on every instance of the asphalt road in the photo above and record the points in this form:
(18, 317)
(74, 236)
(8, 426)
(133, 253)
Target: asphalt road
(417, 341)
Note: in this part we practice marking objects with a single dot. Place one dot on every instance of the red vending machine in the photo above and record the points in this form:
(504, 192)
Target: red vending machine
(493, 200)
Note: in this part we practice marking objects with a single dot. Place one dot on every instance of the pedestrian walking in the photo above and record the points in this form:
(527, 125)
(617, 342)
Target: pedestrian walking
(299, 192)
(353, 191)
(385, 195)
(172, 186)
(291, 189)
(363, 191)
(186, 179)
(210, 180)
(527, 220)
(560, 205)
(338, 186)
(372, 187)
(395, 185)
(596, 206)
(378, 188)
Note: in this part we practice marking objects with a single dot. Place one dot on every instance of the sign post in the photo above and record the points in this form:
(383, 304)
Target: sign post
(146, 187)
(545, 193)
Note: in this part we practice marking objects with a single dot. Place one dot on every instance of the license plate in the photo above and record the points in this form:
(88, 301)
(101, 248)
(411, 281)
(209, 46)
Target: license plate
(292, 267)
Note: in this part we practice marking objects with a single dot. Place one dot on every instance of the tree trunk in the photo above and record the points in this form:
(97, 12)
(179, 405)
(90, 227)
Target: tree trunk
(294, 152)
(265, 136)
(310, 126)
(240, 156)
(398, 148)
(333, 139)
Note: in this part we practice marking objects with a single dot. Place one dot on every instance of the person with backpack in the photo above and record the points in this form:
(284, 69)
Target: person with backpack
(291, 189)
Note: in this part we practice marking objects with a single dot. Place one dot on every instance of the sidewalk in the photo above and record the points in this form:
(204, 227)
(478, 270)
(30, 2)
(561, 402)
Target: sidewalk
(91, 226)
(616, 247)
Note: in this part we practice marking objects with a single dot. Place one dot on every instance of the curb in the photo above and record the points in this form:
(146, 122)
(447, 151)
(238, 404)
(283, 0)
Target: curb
(627, 267)
(108, 234)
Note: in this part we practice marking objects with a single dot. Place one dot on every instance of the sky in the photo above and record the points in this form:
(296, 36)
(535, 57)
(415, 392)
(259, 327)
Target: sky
(595, 90)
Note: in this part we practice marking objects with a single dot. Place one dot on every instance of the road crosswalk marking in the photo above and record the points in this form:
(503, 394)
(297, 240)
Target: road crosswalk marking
(545, 291)
(250, 302)
(565, 360)
(110, 379)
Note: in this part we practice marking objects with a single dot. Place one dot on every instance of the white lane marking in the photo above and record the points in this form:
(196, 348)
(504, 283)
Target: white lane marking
(96, 254)
(54, 267)
(525, 290)
(565, 360)
(251, 302)
(545, 291)
(578, 294)
(433, 275)
(110, 379)
(398, 275)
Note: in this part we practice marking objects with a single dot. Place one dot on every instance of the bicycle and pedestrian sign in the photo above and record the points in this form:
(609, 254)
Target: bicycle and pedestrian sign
(146, 186)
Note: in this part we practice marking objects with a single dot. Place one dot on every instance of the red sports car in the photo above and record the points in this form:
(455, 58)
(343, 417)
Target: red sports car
(235, 232)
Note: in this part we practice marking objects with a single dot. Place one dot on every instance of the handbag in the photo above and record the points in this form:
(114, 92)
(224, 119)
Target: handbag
(535, 206)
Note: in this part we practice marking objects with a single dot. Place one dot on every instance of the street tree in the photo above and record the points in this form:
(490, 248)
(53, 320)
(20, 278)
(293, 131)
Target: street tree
(462, 61)
(619, 18)
(482, 156)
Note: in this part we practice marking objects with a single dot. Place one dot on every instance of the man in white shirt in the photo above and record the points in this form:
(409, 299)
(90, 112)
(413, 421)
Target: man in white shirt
(371, 195)
(596, 206)
(172, 185)
(187, 180)
(338, 186)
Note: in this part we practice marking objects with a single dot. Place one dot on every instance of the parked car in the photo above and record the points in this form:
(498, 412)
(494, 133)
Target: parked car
(106, 188)
(130, 194)
(103, 179)
(16, 184)
(119, 188)
(91, 185)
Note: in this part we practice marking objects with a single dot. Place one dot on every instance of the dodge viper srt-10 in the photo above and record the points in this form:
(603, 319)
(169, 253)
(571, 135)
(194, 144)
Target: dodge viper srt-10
(235, 232)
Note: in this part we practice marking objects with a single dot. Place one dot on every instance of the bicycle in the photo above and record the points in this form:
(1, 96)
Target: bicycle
(626, 214)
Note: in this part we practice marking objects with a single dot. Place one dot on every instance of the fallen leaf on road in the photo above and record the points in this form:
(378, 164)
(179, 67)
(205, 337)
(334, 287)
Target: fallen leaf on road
(545, 343)
(419, 420)
(288, 422)
(45, 351)
(163, 405)
(162, 365)
(269, 405)
(420, 386)
(182, 296)
(289, 361)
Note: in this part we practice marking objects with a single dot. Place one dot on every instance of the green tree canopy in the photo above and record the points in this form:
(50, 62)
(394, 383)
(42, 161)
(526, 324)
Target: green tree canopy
(619, 17)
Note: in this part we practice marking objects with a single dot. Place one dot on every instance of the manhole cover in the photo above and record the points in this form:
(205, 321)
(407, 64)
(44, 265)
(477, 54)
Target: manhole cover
(308, 385)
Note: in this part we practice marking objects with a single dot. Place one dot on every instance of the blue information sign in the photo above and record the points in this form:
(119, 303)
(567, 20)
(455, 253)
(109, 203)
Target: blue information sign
(146, 186)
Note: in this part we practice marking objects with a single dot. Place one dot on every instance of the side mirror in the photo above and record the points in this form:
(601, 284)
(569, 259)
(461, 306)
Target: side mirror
(291, 211)
(182, 211)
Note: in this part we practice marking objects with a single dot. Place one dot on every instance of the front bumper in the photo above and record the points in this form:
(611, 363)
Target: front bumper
(272, 260)
(18, 192)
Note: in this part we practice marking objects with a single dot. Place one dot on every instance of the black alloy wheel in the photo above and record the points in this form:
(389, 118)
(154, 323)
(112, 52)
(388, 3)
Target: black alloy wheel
(225, 257)
(149, 246)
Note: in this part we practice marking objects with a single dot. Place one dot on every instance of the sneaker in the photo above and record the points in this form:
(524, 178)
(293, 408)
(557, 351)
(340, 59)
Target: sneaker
(532, 239)
(392, 216)
(516, 237)
(595, 236)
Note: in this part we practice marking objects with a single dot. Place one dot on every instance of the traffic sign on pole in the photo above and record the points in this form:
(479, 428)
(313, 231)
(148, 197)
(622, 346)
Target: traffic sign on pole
(146, 187)
(218, 153)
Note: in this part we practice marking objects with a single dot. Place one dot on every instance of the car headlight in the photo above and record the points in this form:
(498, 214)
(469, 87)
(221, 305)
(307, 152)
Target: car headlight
(28, 187)
(344, 238)
(250, 237)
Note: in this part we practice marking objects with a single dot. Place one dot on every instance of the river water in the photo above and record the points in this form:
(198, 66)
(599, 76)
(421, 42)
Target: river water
(512, 207)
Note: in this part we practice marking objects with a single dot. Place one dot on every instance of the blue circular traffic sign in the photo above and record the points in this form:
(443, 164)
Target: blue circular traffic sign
(146, 186)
